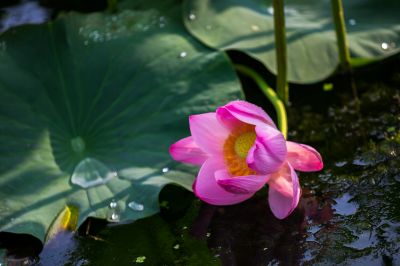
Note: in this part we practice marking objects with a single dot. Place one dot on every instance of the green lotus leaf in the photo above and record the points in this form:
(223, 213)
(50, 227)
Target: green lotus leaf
(247, 25)
(90, 105)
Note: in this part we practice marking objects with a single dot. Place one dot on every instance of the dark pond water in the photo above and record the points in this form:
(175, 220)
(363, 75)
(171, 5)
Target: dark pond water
(349, 213)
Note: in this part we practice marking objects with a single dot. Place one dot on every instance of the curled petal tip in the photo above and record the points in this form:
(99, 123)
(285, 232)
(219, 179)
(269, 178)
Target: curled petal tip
(303, 157)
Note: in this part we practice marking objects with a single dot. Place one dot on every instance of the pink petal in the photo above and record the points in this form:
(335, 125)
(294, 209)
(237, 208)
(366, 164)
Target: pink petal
(206, 188)
(236, 112)
(268, 152)
(240, 184)
(208, 133)
(187, 151)
(303, 157)
(284, 191)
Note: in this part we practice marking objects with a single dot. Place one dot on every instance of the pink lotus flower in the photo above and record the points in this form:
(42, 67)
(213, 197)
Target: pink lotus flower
(240, 150)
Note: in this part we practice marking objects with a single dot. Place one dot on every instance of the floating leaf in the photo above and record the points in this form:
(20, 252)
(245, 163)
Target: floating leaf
(247, 25)
(92, 95)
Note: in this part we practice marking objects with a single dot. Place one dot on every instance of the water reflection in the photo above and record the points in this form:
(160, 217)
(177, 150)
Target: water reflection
(249, 234)
(345, 206)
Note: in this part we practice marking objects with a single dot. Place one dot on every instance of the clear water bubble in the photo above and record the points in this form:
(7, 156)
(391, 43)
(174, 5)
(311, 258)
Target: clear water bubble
(113, 213)
(192, 16)
(176, 246)
(183, 54)
(91, 172)
(388, 46)
(113, 204)
(136, 206)
(384, 46)
(165, 170)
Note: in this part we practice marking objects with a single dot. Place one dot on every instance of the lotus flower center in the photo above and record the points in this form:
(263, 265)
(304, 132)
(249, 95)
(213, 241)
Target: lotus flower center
(236, 148)
(243, 143)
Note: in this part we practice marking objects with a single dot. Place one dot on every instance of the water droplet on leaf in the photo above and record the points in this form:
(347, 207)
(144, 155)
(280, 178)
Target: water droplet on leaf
(255, 28)
(165, 170)
(113, 212)
(91, 172)
(192, 16)
(135, 206)
(182, 54)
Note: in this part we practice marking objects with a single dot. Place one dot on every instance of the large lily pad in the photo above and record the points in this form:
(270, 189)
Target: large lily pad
(99, 97)
(247, 25)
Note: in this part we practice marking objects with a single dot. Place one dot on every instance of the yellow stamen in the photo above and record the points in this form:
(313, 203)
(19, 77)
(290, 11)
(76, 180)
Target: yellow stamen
(243, 143)
(236, 148)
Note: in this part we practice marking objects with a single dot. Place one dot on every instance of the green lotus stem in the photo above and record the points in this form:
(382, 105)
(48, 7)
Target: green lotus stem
(270, 94)
(343, 46)
(280, 46)
(340, 27)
